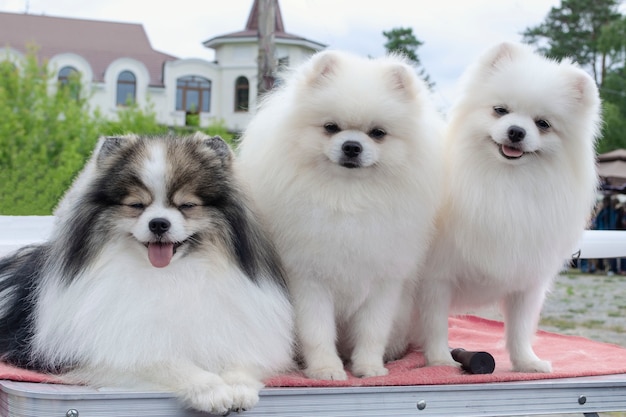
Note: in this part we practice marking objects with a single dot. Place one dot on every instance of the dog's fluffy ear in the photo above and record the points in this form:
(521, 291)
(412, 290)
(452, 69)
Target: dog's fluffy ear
(584, 92)
(220, 147)
(495, 58)
(323, 66)
(403, 79)
(504, 51)
(109, 145)
(217, 144)
(584, 87)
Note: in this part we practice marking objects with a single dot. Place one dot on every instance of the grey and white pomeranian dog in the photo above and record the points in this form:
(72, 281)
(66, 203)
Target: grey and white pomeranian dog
(157, 275)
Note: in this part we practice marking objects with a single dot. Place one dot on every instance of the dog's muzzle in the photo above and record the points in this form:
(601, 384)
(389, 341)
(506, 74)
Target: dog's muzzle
(513, 150)
(351, 154)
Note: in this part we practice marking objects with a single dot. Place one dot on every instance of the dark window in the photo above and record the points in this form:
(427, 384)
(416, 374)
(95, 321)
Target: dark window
(242, 94)
(126, 88)
(69, 77)
(66, 74)
(193, 94)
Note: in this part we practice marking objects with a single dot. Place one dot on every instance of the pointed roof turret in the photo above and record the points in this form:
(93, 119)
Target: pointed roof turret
(251, 32)
(253, 18)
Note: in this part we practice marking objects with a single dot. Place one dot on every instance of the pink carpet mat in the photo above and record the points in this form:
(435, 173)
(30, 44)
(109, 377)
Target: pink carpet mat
(571, 356)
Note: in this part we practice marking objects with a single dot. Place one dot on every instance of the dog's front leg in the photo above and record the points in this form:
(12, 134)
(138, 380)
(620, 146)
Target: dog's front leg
(317, 333)
(371, 328)
(433, 308)
(521, 313)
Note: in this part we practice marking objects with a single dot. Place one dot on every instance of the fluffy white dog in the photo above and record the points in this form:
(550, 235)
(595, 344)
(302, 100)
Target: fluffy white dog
(343, 162)
(520, 187)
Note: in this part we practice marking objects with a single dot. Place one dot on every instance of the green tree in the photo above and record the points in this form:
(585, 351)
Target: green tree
(613, 129)
(593, 32)
(403, 41)
(574, 30)
(612, 44)
(45, 135)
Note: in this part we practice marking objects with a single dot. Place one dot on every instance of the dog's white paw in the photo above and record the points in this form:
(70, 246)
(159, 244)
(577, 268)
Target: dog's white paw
(328, 367)
(536, 366)
(244, 397)
(214, 398)
(326, 373)
(364, 370)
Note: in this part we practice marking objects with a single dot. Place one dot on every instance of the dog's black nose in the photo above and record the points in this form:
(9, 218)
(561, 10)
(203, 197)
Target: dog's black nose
(159, 225)
(351, 148)
(516, 134)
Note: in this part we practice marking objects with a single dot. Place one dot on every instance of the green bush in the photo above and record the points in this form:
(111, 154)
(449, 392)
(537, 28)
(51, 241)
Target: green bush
(613, 128)
(47, 133)
(131, 119)
(44, 137)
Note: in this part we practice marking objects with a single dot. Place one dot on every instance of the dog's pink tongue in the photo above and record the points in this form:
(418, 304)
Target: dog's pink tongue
(511, 152)
(160, 254)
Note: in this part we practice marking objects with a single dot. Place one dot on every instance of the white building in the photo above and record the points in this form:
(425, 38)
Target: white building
(117, 64)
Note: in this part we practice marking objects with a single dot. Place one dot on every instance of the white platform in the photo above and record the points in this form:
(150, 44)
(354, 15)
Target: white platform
(587, 395)
(18, 231)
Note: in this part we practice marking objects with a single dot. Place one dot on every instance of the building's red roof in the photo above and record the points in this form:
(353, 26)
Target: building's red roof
(99, 42)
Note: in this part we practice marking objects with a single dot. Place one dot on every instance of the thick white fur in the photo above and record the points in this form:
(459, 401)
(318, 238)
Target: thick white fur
(199, 327)
(508, 226)
(352, 240)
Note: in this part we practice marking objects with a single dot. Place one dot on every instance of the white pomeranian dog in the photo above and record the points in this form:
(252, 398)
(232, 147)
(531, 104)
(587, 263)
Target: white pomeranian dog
(157, 276)
(343, 161)
(520, 186)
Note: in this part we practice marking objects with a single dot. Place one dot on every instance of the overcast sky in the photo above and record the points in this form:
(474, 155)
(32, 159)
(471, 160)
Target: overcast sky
(453, 31)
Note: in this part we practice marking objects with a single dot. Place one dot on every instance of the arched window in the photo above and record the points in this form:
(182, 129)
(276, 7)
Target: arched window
(193, 94)
(66, 73)
(242, 94)
(126, 88)
(69, 77)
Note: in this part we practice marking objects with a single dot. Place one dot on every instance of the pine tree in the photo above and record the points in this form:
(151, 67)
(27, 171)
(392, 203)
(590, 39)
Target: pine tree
(593, 33)
(574, 30)
(403, 41)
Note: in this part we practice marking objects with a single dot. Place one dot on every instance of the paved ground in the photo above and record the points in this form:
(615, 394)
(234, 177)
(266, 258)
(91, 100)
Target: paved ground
(593, 306)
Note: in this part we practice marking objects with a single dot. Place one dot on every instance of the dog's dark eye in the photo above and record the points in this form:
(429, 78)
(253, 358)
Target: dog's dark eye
(377, 133)
(186, 206)
(500, 111)
(136, 206)
(542, 124)
(332, 128)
